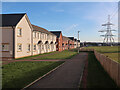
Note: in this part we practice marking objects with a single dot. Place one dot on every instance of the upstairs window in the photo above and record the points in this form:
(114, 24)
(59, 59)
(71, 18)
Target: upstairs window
(38, 35)
(19, 32)
(34, 48)
(34, 34)
(19, 47)
(5, 47)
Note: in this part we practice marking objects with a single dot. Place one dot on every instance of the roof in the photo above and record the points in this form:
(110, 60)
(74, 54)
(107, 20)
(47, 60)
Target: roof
(72, 38)
(65, 38)
(75, 39)
(57, 33)
(11, 19)
(43, 30)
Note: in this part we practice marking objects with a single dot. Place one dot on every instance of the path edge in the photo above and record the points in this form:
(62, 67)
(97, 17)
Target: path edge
(80, 81)
(42, 76)
(81, 76)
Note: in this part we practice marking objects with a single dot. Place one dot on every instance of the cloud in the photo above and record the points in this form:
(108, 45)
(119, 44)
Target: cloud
(59, 10)
(99, 15)
(71, 27)
(71, 30)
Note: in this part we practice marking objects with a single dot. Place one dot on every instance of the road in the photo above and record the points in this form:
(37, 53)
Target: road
(66, 76)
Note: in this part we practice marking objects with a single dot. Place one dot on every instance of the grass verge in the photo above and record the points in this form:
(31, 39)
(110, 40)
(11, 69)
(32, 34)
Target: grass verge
(112, 52)
(67, 54)
(29, 57)
(97, 77)
(20, 74)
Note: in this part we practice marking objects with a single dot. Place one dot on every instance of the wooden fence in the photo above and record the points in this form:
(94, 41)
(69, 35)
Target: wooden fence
(110, 66)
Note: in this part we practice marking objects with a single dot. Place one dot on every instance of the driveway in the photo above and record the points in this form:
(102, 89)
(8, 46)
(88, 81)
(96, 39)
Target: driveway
(66, 76)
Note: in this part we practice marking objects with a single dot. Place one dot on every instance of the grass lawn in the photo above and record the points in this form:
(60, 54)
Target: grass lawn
(60, 55)
(111, 52)
(97, 77)
(29, 57)
(0, 62)
(20, 74)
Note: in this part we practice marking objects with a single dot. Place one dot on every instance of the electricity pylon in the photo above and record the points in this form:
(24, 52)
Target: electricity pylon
(108, 37)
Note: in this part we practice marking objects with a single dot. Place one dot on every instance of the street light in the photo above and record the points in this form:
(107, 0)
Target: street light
(77, 41)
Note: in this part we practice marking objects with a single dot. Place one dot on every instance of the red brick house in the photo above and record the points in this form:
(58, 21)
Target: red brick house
(71, 43)
(59, 40)
(65, 43)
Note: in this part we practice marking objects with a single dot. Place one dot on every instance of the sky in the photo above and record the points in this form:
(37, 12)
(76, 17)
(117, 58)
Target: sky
(68, 17)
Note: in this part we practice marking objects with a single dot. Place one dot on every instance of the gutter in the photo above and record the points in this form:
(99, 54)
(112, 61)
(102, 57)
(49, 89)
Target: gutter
(13, 41)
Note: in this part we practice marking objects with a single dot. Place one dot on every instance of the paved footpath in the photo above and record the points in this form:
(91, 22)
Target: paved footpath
(66, 76)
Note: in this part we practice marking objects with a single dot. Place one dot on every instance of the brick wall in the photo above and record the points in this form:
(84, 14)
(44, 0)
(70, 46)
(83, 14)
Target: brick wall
(59, 45)
(109, 65)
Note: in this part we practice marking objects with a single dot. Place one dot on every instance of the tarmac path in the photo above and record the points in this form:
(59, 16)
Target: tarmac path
(66, 76)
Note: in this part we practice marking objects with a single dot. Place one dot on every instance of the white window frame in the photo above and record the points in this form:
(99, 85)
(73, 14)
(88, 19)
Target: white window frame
(19, 47)
(19, 31)
(35, 34)
(34, 47)
(38, 35)
(6, 47)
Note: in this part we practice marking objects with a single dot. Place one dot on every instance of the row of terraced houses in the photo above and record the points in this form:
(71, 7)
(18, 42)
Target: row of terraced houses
(20, 38)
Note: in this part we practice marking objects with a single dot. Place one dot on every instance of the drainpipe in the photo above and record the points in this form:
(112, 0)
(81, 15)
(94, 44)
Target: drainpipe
(32, 43)
(13, 41)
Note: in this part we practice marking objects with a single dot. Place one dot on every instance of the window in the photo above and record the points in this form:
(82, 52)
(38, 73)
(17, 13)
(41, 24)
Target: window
(5, 47)
(34, 34)
(28, 47)
(46, 36)
(19, 47)
(34, 48)
(19, 32)
(51, 37)
(38, 35)
(42, 36)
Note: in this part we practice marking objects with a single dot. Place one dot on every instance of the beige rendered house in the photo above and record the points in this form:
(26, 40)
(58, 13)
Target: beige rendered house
(21, 39)
(75, 43)
(43, 40)
(16, 36)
